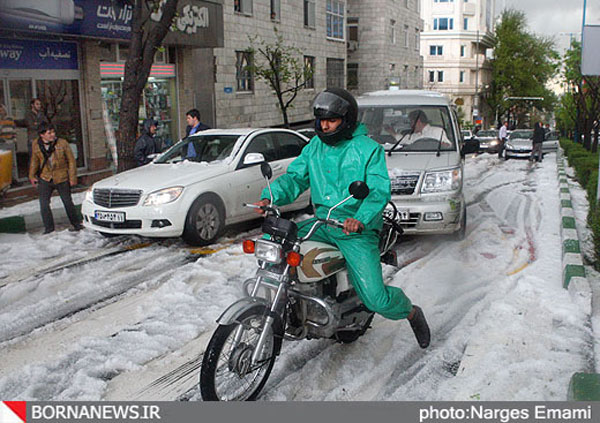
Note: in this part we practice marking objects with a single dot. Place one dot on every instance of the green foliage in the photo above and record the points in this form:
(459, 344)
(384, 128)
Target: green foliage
(523, 63)
(282, 67)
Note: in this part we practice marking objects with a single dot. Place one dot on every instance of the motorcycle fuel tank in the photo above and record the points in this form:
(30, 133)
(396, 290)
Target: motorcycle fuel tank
(319, 261)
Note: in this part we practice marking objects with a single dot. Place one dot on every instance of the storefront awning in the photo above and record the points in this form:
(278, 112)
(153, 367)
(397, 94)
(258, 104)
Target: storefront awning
(117, 70)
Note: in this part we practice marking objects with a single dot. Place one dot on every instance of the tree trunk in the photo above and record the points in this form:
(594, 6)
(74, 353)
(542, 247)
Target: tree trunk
(146, 36)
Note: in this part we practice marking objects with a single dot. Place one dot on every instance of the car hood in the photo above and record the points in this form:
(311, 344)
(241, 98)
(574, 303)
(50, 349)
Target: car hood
(486, 138)
(403, 162)
(520, 142)
(154, 176)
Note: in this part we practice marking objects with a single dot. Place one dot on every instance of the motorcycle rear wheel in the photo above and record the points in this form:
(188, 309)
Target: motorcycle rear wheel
(225, 374)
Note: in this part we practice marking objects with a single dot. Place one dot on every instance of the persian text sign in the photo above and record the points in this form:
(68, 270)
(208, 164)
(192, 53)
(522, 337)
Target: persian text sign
(29, 54)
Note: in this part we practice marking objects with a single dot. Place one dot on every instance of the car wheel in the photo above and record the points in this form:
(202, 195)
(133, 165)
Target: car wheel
(204, 221)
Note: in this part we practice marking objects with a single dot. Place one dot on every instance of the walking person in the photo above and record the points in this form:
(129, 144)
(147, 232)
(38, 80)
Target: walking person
(53, 167)
(502, 135)
(538, 140)
(33, 119)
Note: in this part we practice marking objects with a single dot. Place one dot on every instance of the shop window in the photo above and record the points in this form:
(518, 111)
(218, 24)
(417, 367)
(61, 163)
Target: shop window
(334, 14)
(309, 65)
(335, 73)
(352, 75)
(243, 75)
(309, 13)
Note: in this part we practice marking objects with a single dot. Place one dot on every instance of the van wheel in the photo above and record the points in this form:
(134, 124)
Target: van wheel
(461, 233)
(205, 220)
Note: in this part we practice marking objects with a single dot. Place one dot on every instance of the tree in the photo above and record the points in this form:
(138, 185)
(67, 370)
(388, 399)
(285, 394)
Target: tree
(522, 65)
(280, 66)
(146, 37)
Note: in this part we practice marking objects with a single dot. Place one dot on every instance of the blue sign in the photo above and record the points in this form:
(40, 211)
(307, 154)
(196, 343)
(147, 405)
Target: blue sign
(99, 18)
(228, 90)
(30, 54)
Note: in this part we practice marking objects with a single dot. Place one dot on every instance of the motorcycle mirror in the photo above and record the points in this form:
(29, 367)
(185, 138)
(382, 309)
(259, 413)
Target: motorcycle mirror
(266, 170)
(359, 190)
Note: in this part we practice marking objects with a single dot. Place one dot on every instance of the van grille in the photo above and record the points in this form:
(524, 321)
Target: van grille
(115, 198)
(404, 184)
(411, 222)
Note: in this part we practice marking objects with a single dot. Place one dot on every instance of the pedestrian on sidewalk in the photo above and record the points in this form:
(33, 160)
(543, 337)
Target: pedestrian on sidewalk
(53, 167)
(33, 119)
(538, 140)
(147, 143)
(192, 118)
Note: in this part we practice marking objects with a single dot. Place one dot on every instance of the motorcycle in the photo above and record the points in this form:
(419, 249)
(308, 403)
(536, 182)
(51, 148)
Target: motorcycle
(301, 291)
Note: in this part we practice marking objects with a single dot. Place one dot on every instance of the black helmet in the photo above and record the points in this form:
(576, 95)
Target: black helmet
(331, 104)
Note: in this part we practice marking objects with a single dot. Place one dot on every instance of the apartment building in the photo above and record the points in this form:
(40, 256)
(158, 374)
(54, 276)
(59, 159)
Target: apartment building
(384, 45)
(456, 36)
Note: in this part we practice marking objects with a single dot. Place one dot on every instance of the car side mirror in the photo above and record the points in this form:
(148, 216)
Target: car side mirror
(359, 190)
(254, 158)
(266, 170)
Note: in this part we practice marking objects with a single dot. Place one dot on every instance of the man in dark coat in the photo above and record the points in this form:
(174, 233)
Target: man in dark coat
(146, 143)
(538, 139)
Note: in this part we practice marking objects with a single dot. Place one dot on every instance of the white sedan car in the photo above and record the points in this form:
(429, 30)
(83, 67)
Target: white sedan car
(195, 188)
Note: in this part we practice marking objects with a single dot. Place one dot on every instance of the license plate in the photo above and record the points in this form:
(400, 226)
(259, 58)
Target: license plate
(404, 214)
(109, 216)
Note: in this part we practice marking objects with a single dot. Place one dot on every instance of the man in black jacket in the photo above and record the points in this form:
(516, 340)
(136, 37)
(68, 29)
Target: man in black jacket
(538, 140)
(146, 144)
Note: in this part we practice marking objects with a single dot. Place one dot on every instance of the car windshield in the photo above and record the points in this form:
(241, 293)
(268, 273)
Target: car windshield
(521, 134)
(487, 133)
(201, 148)
(418, 128)
(552, 135)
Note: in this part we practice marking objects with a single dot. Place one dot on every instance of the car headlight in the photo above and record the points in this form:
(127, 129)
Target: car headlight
(509, 146)
(495, 142)
(447, 180)
(268, 251)
(163, 196)
(89, 194)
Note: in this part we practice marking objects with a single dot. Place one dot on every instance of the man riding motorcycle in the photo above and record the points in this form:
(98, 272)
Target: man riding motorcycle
(339, 154)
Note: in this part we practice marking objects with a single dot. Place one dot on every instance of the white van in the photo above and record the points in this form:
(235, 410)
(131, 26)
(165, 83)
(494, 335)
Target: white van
(425, 157)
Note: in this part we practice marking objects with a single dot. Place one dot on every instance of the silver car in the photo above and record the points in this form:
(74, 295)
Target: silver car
(519, 144)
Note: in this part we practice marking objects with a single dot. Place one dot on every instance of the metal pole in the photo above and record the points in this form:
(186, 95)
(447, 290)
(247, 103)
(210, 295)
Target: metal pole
(476, 99)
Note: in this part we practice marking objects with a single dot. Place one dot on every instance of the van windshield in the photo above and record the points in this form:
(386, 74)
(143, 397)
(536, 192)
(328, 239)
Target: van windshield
(414, 128)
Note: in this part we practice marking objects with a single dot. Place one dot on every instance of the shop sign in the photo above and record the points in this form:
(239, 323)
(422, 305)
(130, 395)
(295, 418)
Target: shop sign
(198, 23)
(30, 54)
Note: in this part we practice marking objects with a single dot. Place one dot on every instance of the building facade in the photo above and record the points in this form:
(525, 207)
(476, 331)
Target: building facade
(456, 36)
(384, 45)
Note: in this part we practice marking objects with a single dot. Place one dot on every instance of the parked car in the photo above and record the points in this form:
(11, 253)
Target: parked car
(307, 132)
(519, 144)
(426, 171)
(466, 134)
(488, 140)
(195, 188)
(550, 142)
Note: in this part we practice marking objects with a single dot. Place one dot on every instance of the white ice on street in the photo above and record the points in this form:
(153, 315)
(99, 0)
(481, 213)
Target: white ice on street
(133, 325)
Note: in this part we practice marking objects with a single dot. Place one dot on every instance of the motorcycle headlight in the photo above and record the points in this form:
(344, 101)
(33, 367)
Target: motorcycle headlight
(89, 195)
(268, 251)
(163, 196)
(447, 180)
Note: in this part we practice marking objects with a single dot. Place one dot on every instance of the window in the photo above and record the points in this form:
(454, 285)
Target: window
(309, 66)
(443, 24)
(352, 75)
(393, 32)
(275, 10)
(334, 14)
(264, 145)
(335, 73)
(461, 77)
(431, 76)
(352, 27)
(466, 24)
(405, 35)
(243, 6)
(243, 75)
(309, 13)
(417, 39)
(436, 50)
(462, 51)
(440, 76)
(289, 145)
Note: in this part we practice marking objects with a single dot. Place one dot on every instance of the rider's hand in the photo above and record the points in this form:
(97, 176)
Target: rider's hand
(263, 202)
(352, 225)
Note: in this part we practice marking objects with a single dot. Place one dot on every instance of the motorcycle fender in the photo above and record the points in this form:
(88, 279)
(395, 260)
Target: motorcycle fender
(232, 313)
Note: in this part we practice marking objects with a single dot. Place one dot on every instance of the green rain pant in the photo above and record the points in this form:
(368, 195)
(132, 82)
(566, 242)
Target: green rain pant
(361, 252)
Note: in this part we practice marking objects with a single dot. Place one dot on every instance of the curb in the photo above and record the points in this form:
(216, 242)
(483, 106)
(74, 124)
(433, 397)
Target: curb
(582, 386)
(32, 221)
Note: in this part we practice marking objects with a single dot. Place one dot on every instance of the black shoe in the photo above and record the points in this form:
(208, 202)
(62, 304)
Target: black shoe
(76, 228)
(420, 327)
(47, 231)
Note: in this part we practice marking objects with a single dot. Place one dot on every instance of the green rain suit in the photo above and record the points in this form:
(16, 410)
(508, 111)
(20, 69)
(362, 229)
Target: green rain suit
(328, 171)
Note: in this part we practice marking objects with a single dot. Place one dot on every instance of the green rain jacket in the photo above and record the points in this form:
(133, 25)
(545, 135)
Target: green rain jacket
(329, 170)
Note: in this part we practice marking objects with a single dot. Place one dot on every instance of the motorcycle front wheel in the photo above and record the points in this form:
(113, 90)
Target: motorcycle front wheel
(227, 373)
